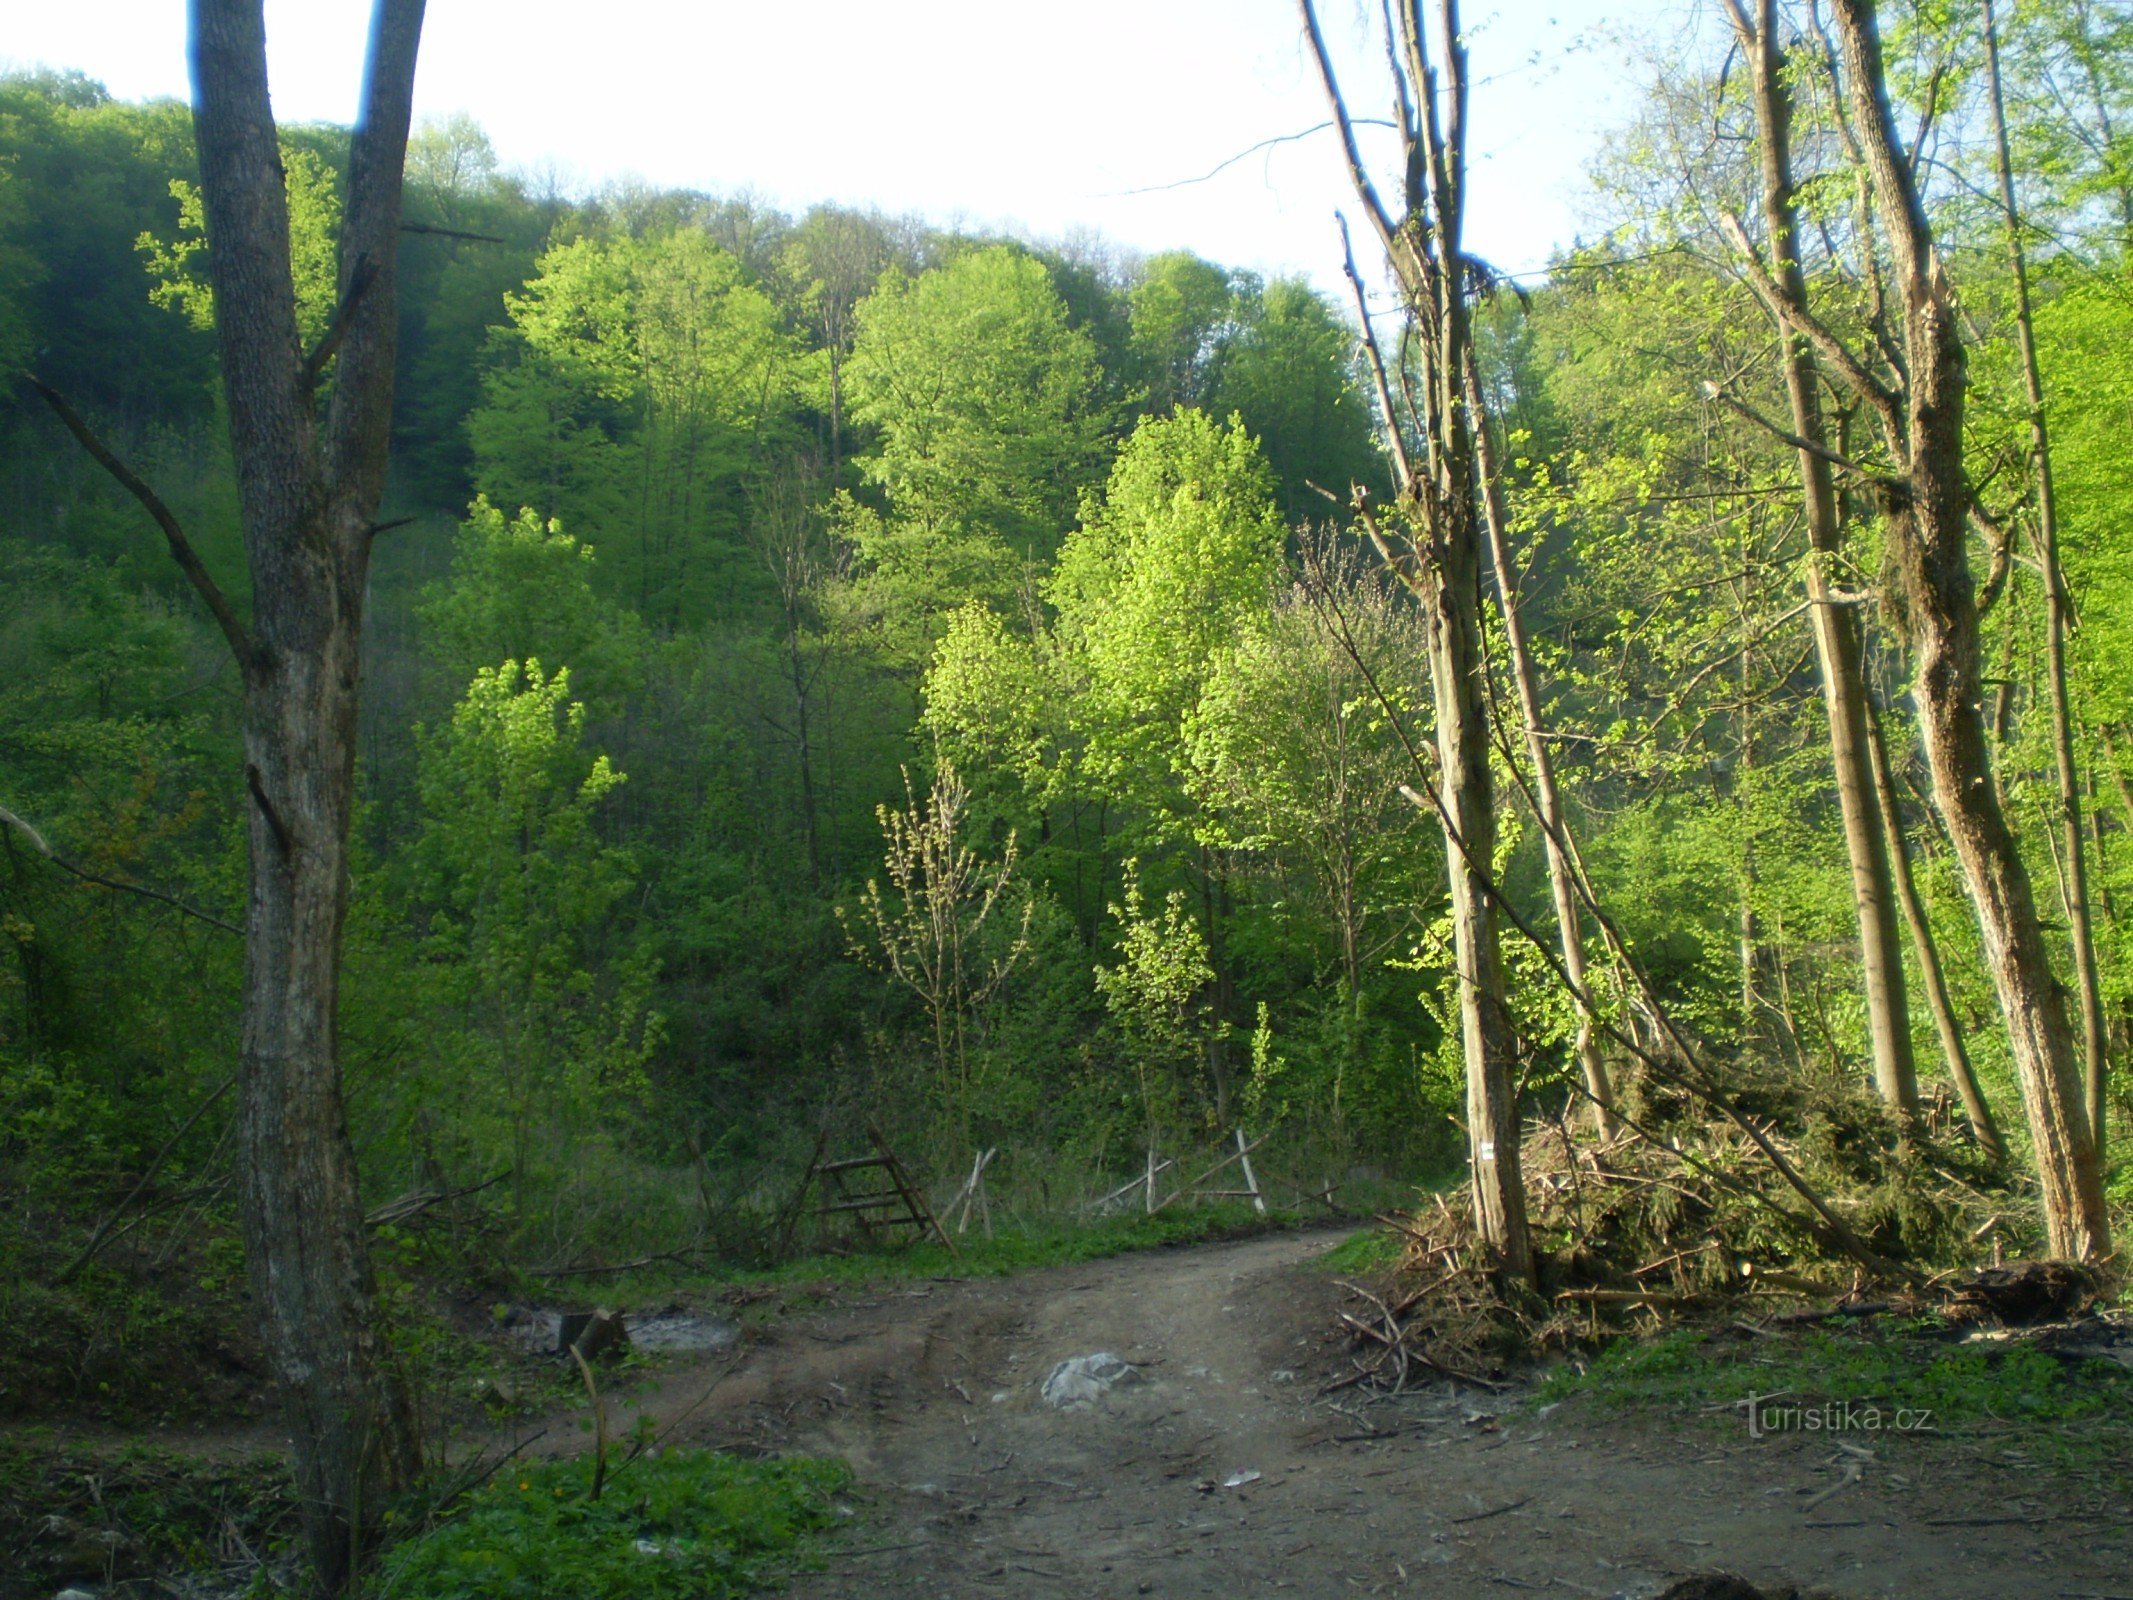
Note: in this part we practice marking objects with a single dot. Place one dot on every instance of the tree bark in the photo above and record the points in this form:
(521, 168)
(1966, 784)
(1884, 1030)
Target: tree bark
(308, 494)
(1441, 565)
(1837, 634)
(1983, 1127)
(1548, 800)
(2058, 620)
(1925, 505)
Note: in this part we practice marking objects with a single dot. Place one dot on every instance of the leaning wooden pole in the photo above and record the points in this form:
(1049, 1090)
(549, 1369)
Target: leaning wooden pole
(1433, 542)
(1548, 799)
(1925, 505)
(2059, 617)
(1839, 647)
(1933, 977)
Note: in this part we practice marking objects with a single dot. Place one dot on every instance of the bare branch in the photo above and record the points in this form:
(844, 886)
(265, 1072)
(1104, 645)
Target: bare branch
(1732, 402)
(181, 548)
(358, 281)
(1212, 172)
(38, 843)
(1999, 538)
(1375, 356)
(490, 238)
(1364, 188)
(1827, 345)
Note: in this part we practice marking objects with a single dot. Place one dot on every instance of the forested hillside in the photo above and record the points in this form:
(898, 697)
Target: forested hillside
(823, 669)
(717, 531)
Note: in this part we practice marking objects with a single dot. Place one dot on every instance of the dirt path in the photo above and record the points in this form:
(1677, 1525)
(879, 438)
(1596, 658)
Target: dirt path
(976, 1487)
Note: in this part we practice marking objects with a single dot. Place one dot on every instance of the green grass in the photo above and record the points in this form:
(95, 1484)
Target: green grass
(2073, 1415)
(1053, 1243)
(676, 1525)
(1367, 1250)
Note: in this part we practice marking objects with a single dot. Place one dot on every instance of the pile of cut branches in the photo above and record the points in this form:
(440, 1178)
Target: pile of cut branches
(1683, 1216)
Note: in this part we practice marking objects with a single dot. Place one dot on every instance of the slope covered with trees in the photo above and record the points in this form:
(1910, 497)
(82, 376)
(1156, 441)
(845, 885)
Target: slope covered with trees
(824, 669)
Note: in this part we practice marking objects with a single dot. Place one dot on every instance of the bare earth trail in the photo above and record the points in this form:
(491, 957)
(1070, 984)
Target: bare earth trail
(975, 1487)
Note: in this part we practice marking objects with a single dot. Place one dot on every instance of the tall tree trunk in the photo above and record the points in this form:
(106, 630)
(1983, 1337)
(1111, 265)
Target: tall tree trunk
(1547, 796)
(1954, 1052)
(2058, 617)
(308, 493)
(1925, 505)
(1441, 564)
(1837, 635)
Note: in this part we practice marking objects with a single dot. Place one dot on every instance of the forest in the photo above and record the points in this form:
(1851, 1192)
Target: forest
(655, 688)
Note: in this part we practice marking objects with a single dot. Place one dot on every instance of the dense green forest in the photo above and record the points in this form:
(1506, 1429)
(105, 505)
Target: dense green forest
(732, 539)
(823, 669)
(723, 530)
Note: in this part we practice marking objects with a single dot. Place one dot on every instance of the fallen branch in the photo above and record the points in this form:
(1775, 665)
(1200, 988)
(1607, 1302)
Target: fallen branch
(1494, 1511)
(412, 1205)
(610, 1271)
(1132, 1184)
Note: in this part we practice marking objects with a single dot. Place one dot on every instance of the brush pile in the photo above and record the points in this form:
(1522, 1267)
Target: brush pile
(1682, 1216)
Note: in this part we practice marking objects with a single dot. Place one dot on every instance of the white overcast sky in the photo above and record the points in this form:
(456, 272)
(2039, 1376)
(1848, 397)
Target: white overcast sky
(1025, 113)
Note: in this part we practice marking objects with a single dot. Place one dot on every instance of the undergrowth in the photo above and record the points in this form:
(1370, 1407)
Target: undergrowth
(2024, 1403)
(671, 1525)
(1367, 1250)
(1027, 1248)
(71, 1517)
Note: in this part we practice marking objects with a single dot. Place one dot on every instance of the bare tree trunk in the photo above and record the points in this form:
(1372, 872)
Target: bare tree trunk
(1547, 796)
(1441, 564)
(2058, 618)
(1925, 505)
(1837, 634)
(1957, 1055)
(309, 495)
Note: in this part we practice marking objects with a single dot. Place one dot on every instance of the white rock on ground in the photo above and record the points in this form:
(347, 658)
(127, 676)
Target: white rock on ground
(1085, 1379)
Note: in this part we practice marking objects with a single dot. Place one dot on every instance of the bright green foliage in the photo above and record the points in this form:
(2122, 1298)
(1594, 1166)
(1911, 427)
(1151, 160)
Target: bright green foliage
(1183, 547)
(1292, 749)
(672, 1525)
(522, 587)
(632, 388)
(2082, 334)
(1297, 764)
(1156, 993)
(935, 930)
(1288, 370)
(983, 400)
(1180, 313)
(178, 266)
(993, 701)
(861, 504)
(524, 899)
(1276, 355)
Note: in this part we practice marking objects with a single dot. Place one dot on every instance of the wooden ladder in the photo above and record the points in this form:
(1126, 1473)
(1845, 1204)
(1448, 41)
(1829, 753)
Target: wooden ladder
(902, 1204)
